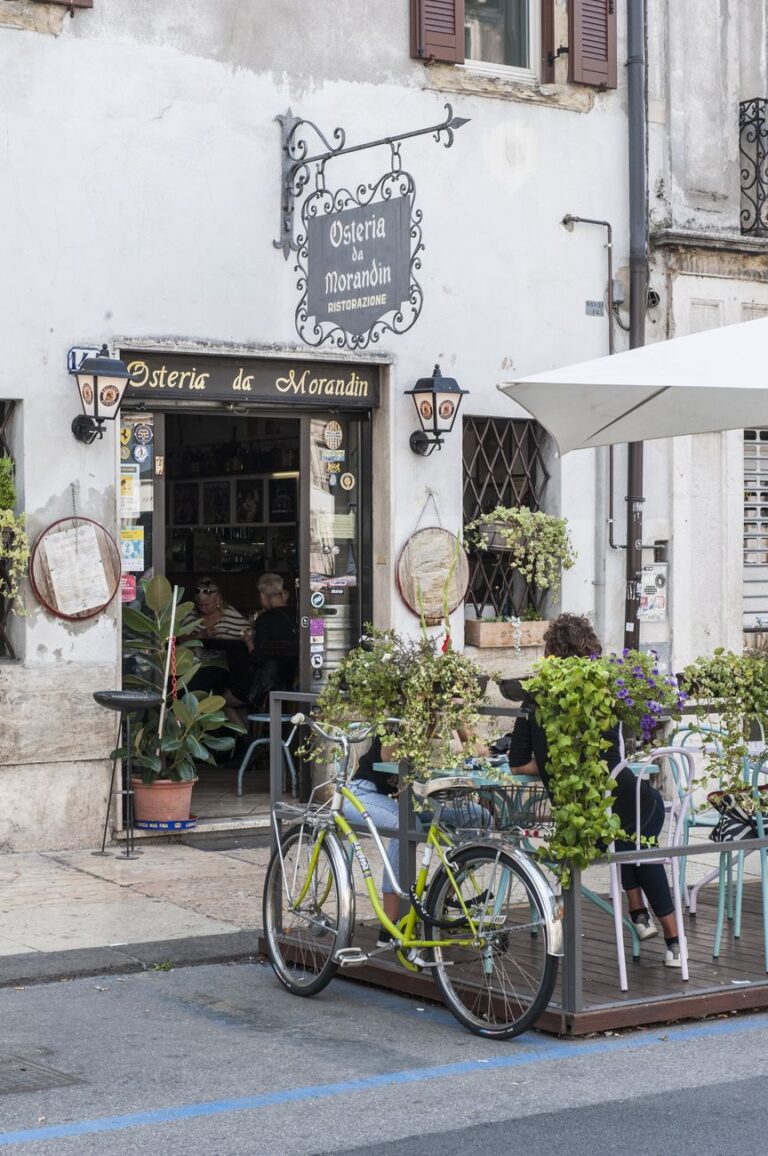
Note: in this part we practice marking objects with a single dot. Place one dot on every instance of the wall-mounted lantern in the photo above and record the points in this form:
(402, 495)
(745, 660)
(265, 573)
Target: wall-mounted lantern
(101, 381)
(437, 400)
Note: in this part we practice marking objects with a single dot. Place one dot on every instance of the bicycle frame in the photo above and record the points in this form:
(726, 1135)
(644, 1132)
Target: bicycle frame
(439, 842)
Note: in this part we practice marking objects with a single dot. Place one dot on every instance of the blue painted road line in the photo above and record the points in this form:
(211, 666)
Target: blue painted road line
(546, 1053)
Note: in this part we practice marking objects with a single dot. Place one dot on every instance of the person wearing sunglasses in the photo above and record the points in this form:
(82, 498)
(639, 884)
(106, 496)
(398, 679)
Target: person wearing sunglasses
(218, 619)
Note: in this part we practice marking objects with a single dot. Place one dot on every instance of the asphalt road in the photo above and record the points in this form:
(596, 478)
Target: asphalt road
(218, 1059)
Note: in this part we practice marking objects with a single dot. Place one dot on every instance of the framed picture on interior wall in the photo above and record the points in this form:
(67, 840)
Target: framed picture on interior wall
(185, 504)
(249, 500)
(216, 511)
(282, 499)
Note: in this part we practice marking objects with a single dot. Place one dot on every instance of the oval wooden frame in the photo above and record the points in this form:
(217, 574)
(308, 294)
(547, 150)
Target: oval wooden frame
(43, 597)
(433, 616)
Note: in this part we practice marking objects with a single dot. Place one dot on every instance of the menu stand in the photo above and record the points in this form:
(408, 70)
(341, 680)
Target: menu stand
(126, 702)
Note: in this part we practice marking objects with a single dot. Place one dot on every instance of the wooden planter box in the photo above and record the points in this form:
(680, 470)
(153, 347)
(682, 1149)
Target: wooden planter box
(482, 632)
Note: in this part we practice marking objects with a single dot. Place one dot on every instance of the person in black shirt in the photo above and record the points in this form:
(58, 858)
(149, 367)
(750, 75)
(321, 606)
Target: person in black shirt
(273, 642)
(568, 636)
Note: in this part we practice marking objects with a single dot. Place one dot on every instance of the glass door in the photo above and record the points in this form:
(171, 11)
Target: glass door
(142, 521)
(334, 591)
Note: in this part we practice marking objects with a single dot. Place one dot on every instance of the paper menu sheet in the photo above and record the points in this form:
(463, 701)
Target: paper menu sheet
(76, 570)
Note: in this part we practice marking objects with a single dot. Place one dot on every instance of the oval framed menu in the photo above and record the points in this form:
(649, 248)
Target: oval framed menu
(75, 568)
(432, 573)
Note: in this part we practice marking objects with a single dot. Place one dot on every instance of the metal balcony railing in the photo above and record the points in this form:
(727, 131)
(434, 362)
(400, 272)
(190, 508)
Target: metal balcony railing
(753, 158)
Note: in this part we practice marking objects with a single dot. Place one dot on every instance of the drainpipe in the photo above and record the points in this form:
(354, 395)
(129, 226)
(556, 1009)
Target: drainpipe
(638, 296)
(603, 457)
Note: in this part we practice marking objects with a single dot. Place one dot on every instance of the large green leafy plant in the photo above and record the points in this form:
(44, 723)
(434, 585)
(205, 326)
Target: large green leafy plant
(576, 701)
(193, 720)
(432, 689)
(574, 705)
(537, 545)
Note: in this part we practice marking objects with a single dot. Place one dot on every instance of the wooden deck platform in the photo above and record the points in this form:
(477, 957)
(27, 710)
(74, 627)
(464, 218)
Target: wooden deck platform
(737, 981)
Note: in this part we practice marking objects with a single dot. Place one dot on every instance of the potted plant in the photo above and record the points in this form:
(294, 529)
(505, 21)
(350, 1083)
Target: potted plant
(534, 545)
(431, 688)
(14, 543)
(192, 721)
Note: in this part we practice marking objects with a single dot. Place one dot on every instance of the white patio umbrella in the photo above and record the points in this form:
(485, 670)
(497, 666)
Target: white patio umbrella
(710, 381)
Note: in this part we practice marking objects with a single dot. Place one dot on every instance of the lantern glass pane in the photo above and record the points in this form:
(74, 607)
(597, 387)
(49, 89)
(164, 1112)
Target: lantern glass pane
(110, 394)
(446, 406)
(425, 408)
(86, 386)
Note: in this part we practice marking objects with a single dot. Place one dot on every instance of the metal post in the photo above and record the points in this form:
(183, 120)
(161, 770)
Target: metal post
(573, 960)
(405, 837)
(638, 298)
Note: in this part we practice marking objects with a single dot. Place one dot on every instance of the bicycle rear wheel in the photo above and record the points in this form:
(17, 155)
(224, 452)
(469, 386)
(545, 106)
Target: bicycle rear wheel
(498, 987)
(307, 910)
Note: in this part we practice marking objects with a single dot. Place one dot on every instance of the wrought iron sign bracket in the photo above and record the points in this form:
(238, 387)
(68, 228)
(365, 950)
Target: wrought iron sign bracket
(296, 164)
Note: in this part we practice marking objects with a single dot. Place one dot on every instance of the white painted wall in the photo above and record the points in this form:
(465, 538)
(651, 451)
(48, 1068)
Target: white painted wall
(141, 198)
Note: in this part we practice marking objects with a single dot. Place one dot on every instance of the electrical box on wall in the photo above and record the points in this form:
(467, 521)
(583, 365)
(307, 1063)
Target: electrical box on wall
(654, 592)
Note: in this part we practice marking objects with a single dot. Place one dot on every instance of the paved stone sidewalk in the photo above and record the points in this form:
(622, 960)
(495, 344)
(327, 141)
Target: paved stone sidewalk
(66, 913)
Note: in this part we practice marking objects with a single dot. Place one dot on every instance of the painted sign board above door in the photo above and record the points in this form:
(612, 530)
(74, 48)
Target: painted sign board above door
(163, 377)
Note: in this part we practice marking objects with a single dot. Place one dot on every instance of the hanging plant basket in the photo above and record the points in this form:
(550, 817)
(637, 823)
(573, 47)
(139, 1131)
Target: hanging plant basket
(492, 537)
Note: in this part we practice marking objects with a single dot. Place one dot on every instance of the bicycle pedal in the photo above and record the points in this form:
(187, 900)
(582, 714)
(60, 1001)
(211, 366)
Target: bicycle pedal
(350, 957)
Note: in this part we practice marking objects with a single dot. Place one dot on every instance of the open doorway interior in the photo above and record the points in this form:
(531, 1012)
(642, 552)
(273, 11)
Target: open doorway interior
(232, 525)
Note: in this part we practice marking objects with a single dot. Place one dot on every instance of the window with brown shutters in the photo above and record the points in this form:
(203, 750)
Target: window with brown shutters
(437, 30)
(592, 47)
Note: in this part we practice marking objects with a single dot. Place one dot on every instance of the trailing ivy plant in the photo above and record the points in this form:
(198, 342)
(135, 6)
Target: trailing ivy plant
(537, 545)
(574, 704)
(14, 543)
(732, 690)
(431, 688)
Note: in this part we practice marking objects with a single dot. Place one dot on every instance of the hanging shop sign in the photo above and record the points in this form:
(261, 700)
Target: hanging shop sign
(160, 378)
(357, 264)
(357, 252)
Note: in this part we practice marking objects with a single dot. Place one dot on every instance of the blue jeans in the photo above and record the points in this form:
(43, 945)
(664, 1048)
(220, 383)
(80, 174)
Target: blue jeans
(651, 877)
(385, 812)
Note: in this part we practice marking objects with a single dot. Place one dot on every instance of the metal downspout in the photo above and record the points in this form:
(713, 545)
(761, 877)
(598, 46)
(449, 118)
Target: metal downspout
(638, 296)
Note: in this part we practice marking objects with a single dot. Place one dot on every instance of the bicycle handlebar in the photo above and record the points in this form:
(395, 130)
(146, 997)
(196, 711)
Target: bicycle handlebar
(336, 734)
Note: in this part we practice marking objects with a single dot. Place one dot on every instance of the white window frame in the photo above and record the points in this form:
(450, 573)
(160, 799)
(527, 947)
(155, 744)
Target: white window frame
(508, 72)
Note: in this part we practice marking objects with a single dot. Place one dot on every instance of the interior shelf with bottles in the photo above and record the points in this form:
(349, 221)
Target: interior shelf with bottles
(246, 522)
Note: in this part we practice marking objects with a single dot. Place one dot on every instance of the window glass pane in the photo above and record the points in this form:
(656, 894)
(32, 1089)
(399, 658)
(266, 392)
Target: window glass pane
(498, 32)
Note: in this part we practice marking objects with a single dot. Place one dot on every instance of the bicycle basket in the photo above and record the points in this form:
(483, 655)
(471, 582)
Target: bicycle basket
(504, 807)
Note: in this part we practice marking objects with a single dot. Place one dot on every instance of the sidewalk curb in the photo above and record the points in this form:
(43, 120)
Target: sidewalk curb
(49, 966)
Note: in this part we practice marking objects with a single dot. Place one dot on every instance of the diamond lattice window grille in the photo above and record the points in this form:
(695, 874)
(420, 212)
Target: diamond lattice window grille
(504, 465)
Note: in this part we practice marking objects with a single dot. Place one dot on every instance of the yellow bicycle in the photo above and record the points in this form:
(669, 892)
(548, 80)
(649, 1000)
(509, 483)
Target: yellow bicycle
(487, 925)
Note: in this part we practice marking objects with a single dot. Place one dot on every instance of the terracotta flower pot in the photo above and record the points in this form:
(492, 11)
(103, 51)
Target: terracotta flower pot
(163, 801)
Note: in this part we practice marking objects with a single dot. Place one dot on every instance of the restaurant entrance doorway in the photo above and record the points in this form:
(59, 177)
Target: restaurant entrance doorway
(224, 502)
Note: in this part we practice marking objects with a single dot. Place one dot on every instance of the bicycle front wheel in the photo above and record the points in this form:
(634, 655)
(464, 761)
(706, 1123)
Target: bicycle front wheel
(307, 910)
(499, 986)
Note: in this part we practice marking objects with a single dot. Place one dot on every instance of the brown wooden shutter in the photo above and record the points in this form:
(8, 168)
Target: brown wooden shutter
(437, 30)
(592, 47)
(547, 63)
